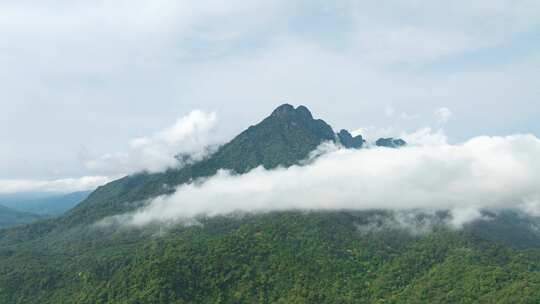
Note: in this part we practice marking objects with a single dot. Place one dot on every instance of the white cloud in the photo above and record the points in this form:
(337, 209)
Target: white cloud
(443, 115)
(425, 137)
(191, 135)
(59, 185)
(484, 172)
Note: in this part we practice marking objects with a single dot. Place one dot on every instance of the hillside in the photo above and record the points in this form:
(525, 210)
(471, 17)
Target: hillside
(10, 217)
(279, 257)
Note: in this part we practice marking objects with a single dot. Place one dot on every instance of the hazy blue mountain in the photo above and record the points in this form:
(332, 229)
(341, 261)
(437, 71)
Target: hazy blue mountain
(25, 196)
(11, 218)
(44, 204)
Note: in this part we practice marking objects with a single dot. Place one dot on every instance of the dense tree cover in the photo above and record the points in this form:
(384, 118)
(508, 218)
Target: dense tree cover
(273, 258)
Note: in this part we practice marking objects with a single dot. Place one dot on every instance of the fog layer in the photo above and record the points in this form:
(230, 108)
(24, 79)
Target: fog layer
(481, 173)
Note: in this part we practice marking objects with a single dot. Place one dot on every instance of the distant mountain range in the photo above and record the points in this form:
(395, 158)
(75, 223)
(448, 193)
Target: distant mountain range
(43, 203)
(24, 208)
(281, 257)
(10, 217)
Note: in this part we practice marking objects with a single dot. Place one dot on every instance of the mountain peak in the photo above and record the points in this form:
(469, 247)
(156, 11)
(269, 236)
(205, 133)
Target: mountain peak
(390, 142)
(283, 110)
(285, 137)
(287, 110)
(350, 142)
(303, 111)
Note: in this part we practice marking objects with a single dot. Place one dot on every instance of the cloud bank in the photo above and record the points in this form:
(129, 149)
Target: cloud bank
(481, 173)
(190, 135)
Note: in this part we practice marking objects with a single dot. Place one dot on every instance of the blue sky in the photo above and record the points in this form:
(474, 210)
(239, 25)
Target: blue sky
(81, 79)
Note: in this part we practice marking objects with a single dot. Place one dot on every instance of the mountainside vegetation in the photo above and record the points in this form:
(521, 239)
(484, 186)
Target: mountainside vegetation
(281, 257)
(275, 258)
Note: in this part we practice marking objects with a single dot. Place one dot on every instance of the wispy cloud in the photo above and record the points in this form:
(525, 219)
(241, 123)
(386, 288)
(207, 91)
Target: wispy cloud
(188, 139)
(443, 115)
(423, 136)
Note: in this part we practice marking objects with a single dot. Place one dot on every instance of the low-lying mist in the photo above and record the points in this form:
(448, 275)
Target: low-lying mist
(464, 179)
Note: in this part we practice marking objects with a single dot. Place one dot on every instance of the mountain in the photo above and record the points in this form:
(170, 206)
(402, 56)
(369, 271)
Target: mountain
(390, 142)
(281, 257)
(284, 138)
(348, 141)
(11, 218)
(46, 204)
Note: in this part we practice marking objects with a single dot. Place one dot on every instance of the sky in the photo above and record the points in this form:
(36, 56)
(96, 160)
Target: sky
(89, 88)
